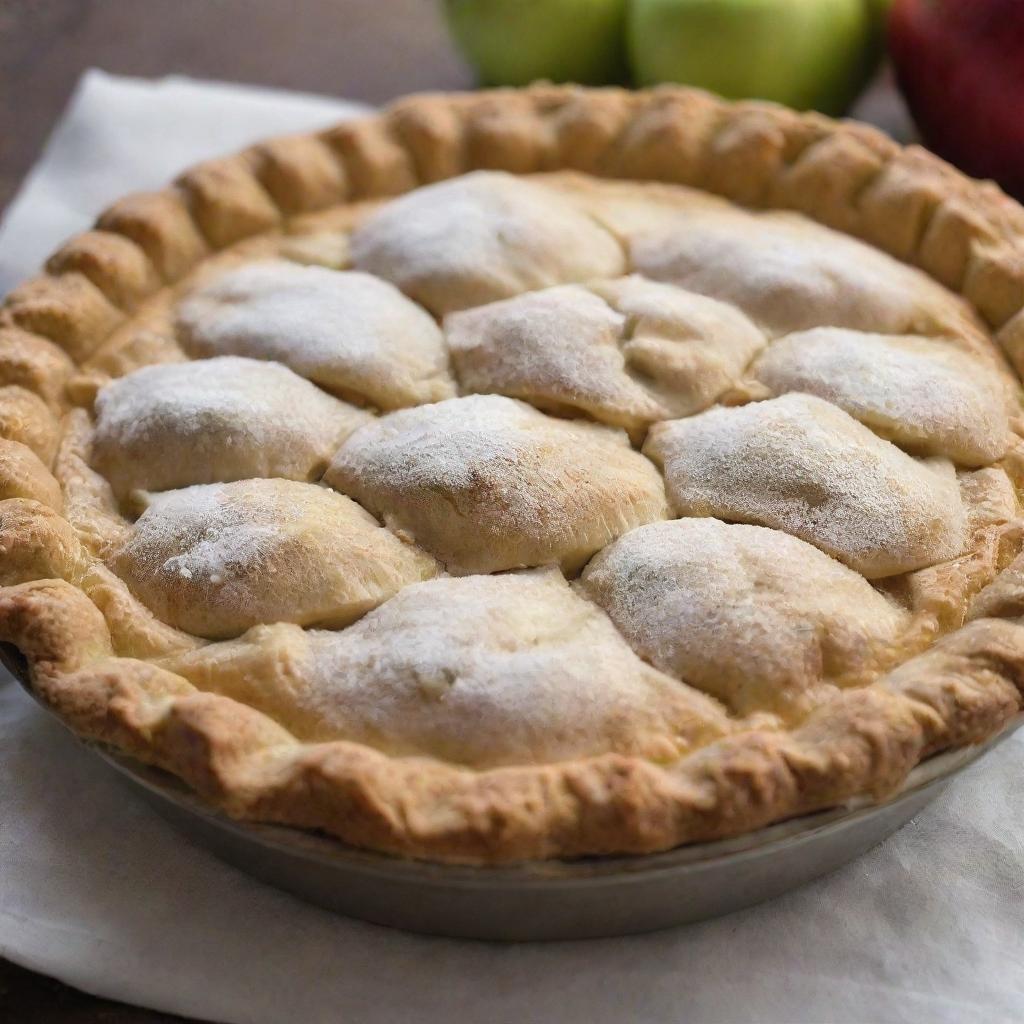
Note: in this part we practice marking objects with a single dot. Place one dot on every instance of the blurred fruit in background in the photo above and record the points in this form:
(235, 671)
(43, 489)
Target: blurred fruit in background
(515, 42)
(810, 54)
(960, 65)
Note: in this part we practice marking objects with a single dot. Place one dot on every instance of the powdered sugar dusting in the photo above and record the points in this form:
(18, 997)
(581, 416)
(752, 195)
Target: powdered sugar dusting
(924, 394)
(353, 334)
(765, 611)
(800, 464)
(215, 420)
(627, 352)
(559, 346)
(482, 237)
(215, 529)
(486, 482)
(790, 274)
(491, 670)
(216, 559)
(751, 615)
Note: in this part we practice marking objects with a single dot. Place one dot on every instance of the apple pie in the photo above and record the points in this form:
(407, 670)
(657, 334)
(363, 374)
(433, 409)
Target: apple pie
(527, 474)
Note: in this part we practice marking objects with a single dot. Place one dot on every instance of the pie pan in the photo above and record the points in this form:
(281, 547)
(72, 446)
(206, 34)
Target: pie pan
(591, 898)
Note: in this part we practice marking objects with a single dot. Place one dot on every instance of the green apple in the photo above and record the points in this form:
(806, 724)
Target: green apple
(808, 54)
(515, 42)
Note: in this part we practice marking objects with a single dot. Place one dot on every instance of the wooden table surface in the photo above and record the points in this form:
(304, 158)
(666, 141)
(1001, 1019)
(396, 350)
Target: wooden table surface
(369, 50)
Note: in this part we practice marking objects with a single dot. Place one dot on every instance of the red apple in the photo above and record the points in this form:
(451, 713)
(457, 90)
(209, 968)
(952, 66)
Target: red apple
(960, 64)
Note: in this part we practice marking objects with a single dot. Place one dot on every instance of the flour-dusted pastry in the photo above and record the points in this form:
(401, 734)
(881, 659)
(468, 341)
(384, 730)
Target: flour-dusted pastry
(791, 275)
(213, 421)
(800, 464)
(527, 475)
(487, 483)
(892, 384)
(483, 237)
(356, 336)
(626, 352)
(481, 671)
(216, 559)
(753, 616)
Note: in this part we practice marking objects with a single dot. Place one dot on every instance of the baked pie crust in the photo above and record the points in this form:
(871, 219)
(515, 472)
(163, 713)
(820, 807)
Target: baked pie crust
(527, 474)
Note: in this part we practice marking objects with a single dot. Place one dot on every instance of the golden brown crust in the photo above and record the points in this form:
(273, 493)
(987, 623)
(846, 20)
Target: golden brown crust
(24, 475)
(85, 637)
(300, 173)
(68, 309)
(160, 224)
(376, 164)
(26, 418)
(34, 363)
(227, 202)
(112, 262)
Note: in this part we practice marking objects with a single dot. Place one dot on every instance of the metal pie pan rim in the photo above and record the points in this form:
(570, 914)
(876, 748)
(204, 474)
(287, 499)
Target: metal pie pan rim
(589, 871)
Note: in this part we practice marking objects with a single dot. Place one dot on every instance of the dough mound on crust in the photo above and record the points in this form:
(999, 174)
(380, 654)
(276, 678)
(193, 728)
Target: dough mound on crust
(213, 421)
(486, 483)
(753, 616)
(921, 393)
(625, 352)
(216, 559)
(355, 335)
(483, 237)
(802, 465)
(479, 670)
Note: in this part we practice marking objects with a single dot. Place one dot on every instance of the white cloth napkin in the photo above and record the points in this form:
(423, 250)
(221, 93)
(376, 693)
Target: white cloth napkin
(98, 891)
